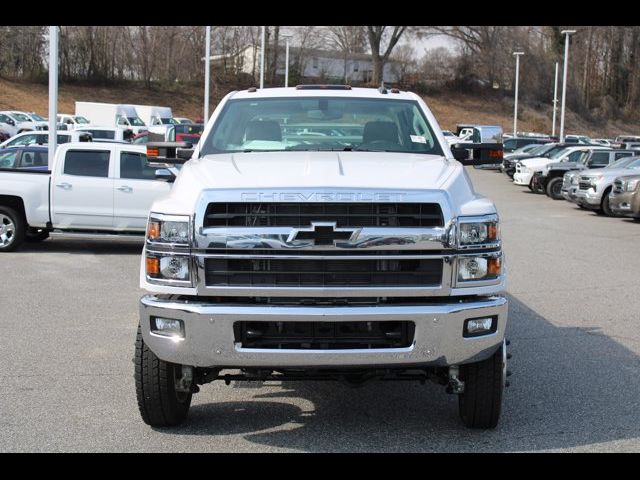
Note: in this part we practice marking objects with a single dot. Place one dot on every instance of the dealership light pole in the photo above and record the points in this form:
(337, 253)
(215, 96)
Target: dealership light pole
(564, 79)
(207, 72)
(555, 103)
(515, 106)
(53, 92)
(262, 60)
(286, 59)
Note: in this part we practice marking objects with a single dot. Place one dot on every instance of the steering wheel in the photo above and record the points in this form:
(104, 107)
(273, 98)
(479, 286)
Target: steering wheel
(378, 145)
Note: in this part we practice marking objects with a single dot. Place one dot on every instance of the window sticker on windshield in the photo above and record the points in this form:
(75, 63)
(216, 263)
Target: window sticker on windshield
(418, 139)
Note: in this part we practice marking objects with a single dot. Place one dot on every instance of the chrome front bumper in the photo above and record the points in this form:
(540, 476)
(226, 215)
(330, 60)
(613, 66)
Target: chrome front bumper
(587, 198)
(209, 338)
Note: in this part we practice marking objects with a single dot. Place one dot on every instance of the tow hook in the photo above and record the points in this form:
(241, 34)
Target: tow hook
(455, 384)
(185, 382)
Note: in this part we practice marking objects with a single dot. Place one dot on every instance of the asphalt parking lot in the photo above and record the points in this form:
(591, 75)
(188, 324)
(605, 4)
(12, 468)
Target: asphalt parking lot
(68, 313)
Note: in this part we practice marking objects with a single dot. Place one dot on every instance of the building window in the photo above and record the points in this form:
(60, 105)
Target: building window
(315, 62)
(356, 66)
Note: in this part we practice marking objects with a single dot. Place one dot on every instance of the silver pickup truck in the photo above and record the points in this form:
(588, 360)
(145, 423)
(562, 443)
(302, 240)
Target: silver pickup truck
(323, 233)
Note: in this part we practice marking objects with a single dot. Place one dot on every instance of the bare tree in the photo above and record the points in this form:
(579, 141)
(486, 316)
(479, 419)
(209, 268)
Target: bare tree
(380, 53)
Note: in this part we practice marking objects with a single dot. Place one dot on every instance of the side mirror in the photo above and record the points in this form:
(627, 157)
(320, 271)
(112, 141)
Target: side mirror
(460, 153)
(487, 147)
(165, 175)
(11, 122)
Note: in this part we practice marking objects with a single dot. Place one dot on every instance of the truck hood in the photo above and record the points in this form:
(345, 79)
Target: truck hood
(536, 163)
(609, 173)
(325, 171)
(320, 169)
(564, 166)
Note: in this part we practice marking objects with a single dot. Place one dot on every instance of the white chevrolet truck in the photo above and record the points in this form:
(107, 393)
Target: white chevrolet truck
(322, 233)
(92, 190)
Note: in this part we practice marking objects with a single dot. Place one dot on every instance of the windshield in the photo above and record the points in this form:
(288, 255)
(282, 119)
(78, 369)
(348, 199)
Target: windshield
(21, 117)
(81, 120)
(559, 153)
(623, 162)
(321, 124)
(634, 164)
(37, 117)
(169, 121)
(136, 121)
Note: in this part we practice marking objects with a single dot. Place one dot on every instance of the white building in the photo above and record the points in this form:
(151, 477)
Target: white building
(312, 64)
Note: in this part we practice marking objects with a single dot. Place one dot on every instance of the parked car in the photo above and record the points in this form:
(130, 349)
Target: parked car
(72, 121)
(550, 179)
(512, 144)
(17, 122)
(183, 120)
(571, 178)
(627, 138)
(25, 158)
(581, 139)
(624, 199)
(107, 134)
(602, 141)
(92, 187)
(42, 138)
(594, 186)
(526, 168)
(544, 150)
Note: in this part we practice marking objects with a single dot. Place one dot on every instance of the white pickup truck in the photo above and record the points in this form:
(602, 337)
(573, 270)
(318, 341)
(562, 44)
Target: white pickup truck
(323, 233)
(94, 189)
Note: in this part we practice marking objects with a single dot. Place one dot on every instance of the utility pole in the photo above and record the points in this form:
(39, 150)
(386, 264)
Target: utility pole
(53, 92)
(555, 103)
(286, 60)
(564, 79)
(515, 106)
(207, 73)
(262, 60)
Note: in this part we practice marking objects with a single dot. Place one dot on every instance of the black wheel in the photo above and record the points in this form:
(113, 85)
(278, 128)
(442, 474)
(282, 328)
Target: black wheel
(12, 229)
(484, 383)
(536, 187)
(159, 403)
(36, 235)
(604, 204)
(554, 188)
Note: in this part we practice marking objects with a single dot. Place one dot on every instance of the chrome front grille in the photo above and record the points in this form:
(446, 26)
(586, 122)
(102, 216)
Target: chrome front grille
(584, 183)
(282, 214)
(266, 245)
(618, 187)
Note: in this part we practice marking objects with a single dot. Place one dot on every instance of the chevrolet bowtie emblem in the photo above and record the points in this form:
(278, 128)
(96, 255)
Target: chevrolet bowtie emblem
(322, 233)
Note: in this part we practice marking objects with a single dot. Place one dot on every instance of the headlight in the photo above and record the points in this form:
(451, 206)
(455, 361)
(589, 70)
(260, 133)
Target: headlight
(168, 267)
(170, 229)
(479, 268)
(478, 231)
(631, 185)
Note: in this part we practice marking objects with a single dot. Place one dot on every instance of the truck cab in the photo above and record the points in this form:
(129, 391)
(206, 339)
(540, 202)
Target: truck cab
(283, 253)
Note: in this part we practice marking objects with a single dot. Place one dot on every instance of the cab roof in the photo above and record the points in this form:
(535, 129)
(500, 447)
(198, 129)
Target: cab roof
(322, 91)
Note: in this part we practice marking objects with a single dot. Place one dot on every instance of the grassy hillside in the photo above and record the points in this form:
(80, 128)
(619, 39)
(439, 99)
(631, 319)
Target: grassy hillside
(186, 100)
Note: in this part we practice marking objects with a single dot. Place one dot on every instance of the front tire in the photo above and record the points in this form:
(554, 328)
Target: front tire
(554, 188)
(604, 204)
(12, 229)
(484, 383)
(159, 403)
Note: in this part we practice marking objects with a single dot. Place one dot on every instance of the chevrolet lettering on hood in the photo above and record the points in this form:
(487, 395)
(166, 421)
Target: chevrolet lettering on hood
(322, 197)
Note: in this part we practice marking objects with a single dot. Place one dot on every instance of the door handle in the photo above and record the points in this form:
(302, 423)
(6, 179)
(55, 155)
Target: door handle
(65, 185)
(125, 188)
